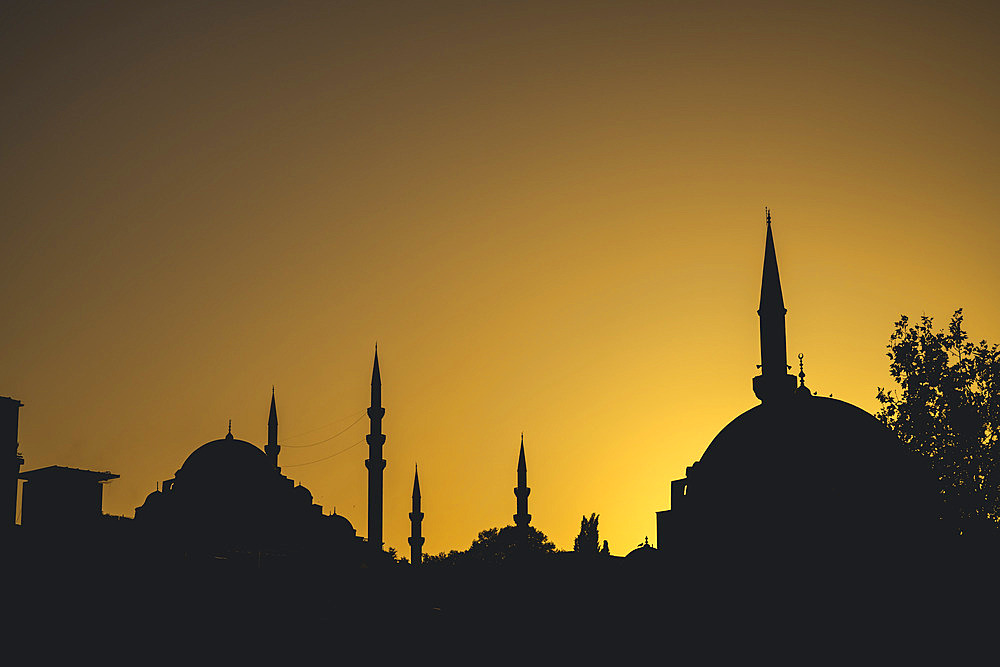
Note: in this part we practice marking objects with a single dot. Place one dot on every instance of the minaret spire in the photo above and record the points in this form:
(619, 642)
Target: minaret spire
(416, 516)
(376, 382)
(272, 448)
(375, 463)
(774, 382)
(522, 518)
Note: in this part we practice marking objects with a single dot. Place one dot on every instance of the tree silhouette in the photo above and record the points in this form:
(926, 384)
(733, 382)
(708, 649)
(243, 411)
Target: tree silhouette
(587, 541)
(947, 409)
(495, 546)
(499, 545)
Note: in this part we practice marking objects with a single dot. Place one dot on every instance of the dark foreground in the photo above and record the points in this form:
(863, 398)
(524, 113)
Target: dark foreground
(86, 601)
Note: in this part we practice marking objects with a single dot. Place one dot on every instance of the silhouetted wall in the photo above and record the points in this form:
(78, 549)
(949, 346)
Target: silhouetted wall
(9, 408)
(58, 496)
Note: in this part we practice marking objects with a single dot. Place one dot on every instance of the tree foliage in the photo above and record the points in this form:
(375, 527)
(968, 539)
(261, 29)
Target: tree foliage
(947, 409)
(587, 541)
(499, 545)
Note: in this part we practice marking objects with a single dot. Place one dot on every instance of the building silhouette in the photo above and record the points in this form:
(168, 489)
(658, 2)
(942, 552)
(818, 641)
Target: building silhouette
(230, 497)
(9, 410)
(797, 467)
(57, 497)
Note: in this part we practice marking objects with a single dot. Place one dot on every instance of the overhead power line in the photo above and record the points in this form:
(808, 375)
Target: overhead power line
(341, 432)
(330, 456)
(323, 426)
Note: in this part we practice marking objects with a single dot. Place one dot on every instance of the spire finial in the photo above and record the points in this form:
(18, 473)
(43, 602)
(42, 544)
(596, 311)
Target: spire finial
(802, 389)
(767, 211)
(230, 433)
(272, 448)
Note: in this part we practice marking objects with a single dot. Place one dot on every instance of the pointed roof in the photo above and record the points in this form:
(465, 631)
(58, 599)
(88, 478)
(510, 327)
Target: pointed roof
(521, 465)
(770, 283)
(376, 376)
(416, 482)
(273, 417)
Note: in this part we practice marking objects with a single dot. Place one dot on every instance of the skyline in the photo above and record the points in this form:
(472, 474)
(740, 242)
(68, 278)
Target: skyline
(551, 221)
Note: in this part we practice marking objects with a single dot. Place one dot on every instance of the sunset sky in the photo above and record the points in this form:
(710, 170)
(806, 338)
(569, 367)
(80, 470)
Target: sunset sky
(549, 215)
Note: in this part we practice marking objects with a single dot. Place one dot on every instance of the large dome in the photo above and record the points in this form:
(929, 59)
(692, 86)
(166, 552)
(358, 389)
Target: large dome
(225, 457)
(806, 428)
(808, 461)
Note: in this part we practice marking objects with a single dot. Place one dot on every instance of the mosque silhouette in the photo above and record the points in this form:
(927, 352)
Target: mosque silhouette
(798, 473)
(798, 467)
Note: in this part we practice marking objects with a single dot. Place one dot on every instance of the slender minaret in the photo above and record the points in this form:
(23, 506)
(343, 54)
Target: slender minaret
(375, 463)
(521, 492)
(416, 516)
(774, 383)
(272, 448)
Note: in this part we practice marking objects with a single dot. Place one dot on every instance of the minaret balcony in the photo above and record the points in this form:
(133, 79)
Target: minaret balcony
(770, 387)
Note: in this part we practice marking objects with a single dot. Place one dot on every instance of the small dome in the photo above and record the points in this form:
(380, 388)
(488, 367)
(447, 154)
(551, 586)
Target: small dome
(340, 525)
(644, 553)
(154, 501)
(303, 495)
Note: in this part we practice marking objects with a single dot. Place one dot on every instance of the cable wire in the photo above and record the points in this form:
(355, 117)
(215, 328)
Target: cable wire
(318, 428)
(320, 442)
(330, 456)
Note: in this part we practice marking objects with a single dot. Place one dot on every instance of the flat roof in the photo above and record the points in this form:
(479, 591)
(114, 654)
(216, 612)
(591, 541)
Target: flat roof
(62, 472)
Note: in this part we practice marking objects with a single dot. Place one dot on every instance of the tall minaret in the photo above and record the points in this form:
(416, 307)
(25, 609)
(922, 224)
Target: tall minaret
(416, 516)
(521, 492)
(774, 382)
(375, 462)
(272, 448)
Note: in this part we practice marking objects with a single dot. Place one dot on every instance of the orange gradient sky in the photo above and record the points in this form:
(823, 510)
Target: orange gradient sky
(549, 216)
